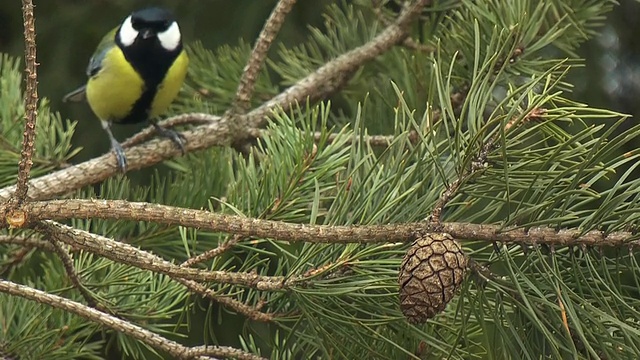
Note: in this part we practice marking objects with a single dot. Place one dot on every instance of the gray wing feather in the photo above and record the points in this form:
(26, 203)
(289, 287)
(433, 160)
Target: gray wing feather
(95, 64)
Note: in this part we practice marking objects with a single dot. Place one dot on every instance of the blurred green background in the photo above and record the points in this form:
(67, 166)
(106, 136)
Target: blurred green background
(68, 32)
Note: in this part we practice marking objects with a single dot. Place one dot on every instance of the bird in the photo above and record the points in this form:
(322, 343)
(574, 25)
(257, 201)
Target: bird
(135, 73)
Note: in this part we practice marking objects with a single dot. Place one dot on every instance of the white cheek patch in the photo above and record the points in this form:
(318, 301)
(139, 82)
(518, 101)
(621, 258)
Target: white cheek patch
(127, 33)
(170, 38)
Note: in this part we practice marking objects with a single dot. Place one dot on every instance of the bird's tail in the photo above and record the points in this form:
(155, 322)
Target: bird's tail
(79, 94)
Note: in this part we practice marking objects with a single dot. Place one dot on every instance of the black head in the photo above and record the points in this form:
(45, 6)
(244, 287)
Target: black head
(150, 26)
(151, 21)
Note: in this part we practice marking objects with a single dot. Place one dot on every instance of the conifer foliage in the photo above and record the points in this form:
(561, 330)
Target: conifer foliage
(440, 132)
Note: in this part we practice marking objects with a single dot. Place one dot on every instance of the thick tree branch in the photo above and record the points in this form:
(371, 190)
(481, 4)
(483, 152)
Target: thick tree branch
(215, 133)
(163, 214)
(150, 338)
(30, 102)
(250, 227)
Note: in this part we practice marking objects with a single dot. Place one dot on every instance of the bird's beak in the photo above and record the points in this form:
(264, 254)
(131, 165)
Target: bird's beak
(147, 33)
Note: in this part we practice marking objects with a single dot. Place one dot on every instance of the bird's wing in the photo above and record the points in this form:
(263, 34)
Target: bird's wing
(95, 64)
(107, 42)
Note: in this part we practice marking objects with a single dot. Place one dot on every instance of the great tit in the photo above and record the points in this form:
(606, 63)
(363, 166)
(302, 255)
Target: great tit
(135, 74)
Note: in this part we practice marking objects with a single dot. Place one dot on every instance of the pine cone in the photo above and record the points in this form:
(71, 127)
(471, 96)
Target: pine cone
(431, 273)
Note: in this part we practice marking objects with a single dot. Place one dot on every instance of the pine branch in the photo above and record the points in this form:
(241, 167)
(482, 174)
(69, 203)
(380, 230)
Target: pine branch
(132, 256)
(218, 131)
(150, 338)
(250, 312)
(250, 227)
(333, 75)
(26, 241)
(210, 254)
(477, 164)
(258, 56)
(31, 103)
(67, 262)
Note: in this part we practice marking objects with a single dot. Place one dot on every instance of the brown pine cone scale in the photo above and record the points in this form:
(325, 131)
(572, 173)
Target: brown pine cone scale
(431, 272)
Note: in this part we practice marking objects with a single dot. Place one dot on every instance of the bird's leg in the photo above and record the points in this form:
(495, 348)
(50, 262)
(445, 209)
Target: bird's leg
(116, 147)
(172, 135)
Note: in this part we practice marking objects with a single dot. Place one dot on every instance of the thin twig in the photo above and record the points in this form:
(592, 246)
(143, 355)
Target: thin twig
(70, 269)
(381, 141)
(250, 312)
(225, 351)
(258, 55)
(408, 42)
(14, 259)
(210, 254)
(26, 241)
(30, 103)
(477, 163)
(152, 339)
(251, 227)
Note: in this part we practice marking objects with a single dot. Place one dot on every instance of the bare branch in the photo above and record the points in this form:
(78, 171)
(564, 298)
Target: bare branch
(67, 262)
(170, 215)
(30, 102)
(258, 56)
(334, 74)
(26, 241)
(210, 254)
(250, 227)
(152, 339)
(132, 256)
(250, 312)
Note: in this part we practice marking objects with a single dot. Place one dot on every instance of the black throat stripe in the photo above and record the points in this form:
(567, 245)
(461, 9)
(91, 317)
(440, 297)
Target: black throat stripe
(152, 62)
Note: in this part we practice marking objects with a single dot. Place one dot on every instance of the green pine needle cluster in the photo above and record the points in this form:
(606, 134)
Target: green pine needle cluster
(53, 148)
(564, 169)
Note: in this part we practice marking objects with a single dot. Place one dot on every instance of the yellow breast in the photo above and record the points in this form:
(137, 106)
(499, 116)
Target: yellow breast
(112, 92)
(170, 86)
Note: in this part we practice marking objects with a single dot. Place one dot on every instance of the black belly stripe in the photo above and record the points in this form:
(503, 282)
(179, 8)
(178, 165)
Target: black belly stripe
(152, 62)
